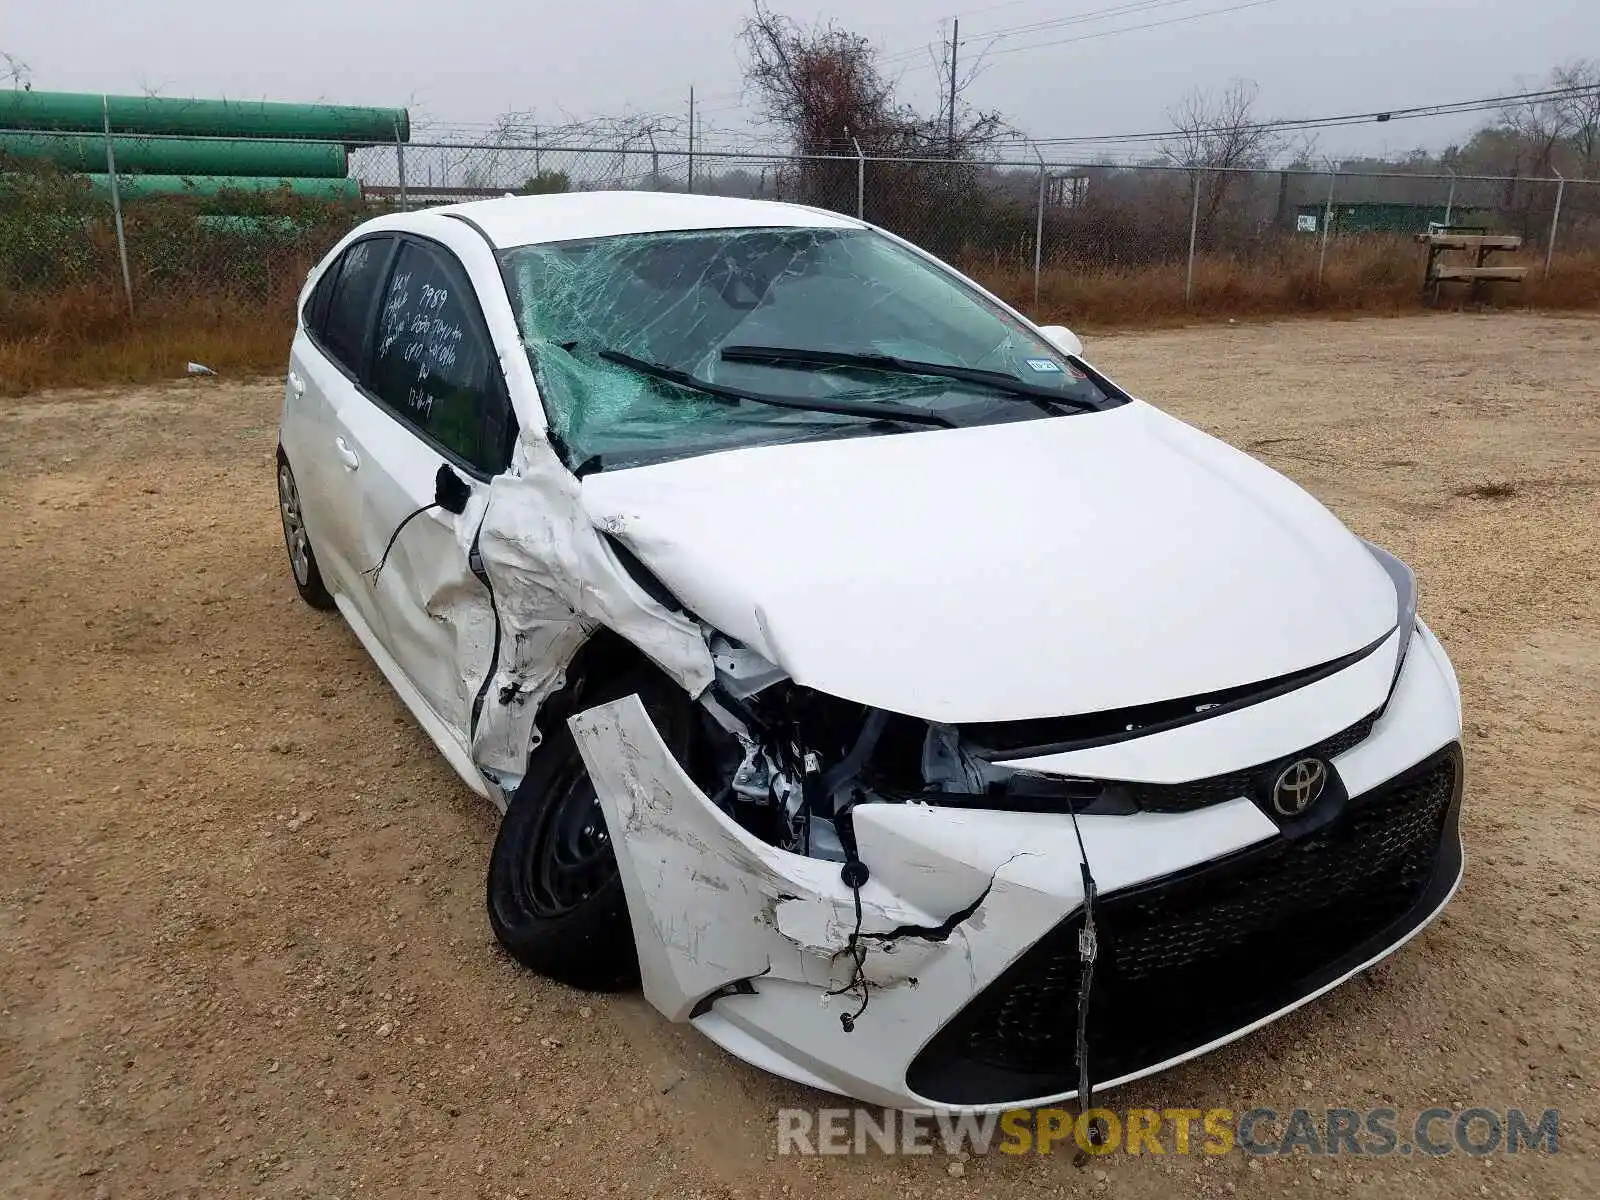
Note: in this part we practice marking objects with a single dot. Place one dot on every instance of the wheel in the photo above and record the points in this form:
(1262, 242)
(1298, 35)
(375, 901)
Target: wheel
(302, 559)
(555, 896)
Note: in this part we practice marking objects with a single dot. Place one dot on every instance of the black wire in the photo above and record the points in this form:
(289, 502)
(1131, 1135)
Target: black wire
(1088, 951)
(858, 975)
(373, 572)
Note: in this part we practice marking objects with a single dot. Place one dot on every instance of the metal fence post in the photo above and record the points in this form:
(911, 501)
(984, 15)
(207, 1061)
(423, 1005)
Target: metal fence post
(1450, 197)
(861, 181)
(1194, 225)
(400, 168)
(1327, 220)
(1555, 218)
(1038, 236)
(116, 204)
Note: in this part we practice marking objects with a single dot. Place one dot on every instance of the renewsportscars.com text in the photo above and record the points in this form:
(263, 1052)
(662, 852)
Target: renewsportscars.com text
(1374, 1132)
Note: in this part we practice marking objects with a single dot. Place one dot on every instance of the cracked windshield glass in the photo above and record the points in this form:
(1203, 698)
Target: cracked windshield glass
(625, 332)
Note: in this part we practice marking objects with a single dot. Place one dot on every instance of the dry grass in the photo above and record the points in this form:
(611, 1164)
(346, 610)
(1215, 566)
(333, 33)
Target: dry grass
(84, 336)
(1361, 275)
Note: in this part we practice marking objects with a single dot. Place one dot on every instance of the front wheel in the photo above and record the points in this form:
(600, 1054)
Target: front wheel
(554, 891)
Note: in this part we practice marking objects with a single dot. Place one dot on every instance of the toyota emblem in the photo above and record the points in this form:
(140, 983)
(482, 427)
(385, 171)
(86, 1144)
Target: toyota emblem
(1298, 786)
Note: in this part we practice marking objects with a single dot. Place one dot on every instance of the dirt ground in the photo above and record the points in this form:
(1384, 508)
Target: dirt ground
(243, 950)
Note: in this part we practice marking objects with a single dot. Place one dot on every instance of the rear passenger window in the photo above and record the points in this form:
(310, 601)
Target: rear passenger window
(349, 308)
(434, 364)
(316, 309)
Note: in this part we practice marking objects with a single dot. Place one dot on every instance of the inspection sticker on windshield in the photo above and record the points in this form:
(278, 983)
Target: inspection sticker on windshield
(1046, 365)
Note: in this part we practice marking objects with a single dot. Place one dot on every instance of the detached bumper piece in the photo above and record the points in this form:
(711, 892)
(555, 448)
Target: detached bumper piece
(1191, 958)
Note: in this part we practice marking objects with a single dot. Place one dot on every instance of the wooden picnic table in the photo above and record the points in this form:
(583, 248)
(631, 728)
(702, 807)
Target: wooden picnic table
(1481, 245)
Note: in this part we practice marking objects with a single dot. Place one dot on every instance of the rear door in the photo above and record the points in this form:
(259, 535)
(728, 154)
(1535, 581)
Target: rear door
(434, 395)
(326, 365)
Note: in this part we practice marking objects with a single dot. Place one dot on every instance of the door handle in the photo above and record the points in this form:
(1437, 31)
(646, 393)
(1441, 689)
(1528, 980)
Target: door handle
(296, 384)
(347, 456)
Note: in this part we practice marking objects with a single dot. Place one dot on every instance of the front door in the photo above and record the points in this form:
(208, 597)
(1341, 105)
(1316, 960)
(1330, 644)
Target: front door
(434, 396)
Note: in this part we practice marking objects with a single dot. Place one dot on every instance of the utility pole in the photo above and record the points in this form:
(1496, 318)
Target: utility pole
(691, 137)
(950, 117)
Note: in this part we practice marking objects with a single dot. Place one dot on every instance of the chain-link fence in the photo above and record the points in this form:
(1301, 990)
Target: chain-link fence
(1068, 239)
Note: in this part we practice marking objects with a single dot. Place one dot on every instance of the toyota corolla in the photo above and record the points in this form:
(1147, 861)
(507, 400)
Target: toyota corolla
(856, 667)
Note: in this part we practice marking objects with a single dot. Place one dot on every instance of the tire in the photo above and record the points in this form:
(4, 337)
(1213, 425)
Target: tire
(555, 897)
(302, 559)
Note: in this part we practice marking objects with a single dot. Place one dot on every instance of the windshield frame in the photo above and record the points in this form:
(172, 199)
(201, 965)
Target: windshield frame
(1111, 396)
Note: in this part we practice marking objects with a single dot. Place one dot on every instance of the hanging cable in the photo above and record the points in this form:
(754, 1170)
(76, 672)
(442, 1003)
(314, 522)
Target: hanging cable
(854, 874)
(1088, 952)
(372, 573)
(450, 492)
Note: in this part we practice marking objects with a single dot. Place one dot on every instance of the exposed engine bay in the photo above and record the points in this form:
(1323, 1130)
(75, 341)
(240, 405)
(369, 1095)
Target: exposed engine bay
(789, 764)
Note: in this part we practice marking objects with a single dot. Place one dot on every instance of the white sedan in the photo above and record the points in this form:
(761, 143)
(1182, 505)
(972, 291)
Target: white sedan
(856, 667)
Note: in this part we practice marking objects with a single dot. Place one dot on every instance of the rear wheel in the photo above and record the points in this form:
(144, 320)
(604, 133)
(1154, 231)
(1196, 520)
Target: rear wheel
(302, 559)
(555, 895)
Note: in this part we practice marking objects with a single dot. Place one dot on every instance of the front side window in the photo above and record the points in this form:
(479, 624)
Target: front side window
(433, 364)
(348, 315)
(706, 303)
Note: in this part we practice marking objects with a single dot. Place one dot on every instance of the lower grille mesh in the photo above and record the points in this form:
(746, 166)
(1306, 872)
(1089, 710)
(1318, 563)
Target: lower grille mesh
(1189, 959)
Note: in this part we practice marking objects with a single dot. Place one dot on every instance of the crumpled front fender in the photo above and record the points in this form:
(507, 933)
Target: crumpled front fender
(758, 946)
(710, 904)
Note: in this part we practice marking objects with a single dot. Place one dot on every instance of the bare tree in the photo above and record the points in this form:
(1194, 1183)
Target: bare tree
(824, 87)
(1219, 129)
(1580, 112)
(1217, 134)
(1536, 128)
(15, 72)
(821, 86)
(975, 128)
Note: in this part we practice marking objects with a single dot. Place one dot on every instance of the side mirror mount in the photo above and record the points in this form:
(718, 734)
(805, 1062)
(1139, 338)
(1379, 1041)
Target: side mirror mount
(450, 491)
(1063, 339)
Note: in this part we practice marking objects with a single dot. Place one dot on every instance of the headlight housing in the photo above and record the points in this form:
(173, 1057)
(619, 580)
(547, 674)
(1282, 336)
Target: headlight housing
(1405, 590)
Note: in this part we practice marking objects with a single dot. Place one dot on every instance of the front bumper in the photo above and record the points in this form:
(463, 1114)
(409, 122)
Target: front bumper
(1192, 960)
(1213, 921)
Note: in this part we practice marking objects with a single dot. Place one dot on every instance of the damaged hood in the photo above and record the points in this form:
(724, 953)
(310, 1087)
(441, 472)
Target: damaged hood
(1030, 569)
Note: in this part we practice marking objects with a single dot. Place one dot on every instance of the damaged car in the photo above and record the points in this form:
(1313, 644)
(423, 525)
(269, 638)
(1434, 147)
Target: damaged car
(857, 668)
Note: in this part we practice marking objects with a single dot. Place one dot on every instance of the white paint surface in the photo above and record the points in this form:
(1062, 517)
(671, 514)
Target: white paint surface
(1033, 569)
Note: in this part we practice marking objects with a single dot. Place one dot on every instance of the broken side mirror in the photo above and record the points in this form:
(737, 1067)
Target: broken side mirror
(450, 491)
(1063, 339)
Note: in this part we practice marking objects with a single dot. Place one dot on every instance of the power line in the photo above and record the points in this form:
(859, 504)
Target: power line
(1134, 6)
(1450, 108)
(1089, 37)
(991, 36)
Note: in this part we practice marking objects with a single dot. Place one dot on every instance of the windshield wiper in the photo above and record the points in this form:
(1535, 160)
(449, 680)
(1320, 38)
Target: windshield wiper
(873, 410)
(784, 356)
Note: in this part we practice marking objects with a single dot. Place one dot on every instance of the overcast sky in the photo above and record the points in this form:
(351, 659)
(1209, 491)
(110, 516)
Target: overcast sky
(462, 61)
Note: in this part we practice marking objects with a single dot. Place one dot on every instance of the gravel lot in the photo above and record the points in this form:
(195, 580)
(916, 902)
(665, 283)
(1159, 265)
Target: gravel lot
(243, 949)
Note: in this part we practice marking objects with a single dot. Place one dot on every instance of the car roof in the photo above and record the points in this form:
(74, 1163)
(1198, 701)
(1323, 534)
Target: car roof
(525, 220)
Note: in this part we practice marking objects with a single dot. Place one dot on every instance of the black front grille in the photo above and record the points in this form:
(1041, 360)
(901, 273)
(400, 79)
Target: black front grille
(1198, 793)
(1192, 957)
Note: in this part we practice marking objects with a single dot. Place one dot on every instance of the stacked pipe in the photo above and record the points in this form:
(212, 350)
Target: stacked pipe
(200, 147)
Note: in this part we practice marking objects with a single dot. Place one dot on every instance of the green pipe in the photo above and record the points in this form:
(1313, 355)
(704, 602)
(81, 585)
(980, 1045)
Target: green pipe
(80, 112)
(141, 187)
(186, 156)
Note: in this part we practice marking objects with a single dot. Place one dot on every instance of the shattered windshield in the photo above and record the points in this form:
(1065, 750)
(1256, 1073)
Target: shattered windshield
(597, 314)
